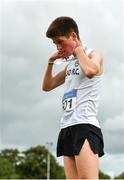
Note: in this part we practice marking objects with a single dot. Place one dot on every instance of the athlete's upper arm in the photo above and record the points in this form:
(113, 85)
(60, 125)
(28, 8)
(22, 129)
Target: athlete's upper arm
(96, 65)
(96, 57)
(58, 79)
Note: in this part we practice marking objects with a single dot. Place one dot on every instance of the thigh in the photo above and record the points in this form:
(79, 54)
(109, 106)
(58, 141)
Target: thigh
(87, 162)
(70, 168)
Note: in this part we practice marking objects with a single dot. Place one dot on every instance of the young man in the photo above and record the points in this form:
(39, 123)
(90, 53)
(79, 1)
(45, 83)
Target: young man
(80, 140)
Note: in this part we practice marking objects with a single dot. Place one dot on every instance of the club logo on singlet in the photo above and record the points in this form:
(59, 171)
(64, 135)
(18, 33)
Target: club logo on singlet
(73, 70)
(76, 63)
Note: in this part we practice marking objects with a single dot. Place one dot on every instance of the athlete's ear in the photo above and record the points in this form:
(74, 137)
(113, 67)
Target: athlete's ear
(73, 35)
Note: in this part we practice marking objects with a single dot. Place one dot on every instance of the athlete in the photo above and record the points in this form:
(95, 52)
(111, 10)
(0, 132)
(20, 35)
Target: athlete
(80, 140)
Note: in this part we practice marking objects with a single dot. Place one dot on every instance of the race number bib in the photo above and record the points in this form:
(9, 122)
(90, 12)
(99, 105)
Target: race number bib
(69, 100)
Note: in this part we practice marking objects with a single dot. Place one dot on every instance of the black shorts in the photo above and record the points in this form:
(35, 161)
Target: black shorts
(71, 139)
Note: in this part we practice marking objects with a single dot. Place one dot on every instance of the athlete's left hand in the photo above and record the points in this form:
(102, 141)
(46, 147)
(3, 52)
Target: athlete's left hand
(77, 43)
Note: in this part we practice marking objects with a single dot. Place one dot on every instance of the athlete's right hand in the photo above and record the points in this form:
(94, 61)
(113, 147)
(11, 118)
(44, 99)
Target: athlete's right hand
(57, 55)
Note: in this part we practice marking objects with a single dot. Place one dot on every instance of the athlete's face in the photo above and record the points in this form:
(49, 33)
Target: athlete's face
(65, 45)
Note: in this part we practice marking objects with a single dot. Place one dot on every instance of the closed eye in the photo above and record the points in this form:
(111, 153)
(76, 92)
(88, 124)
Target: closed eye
(60, 42)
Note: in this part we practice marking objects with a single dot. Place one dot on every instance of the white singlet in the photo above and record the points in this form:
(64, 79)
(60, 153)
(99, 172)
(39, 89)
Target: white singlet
(81, 96)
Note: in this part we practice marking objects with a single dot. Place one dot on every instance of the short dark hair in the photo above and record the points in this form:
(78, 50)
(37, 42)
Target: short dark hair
(62, 26)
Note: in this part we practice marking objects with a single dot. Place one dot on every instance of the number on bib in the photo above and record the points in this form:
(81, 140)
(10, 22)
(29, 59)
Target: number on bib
(69, 100)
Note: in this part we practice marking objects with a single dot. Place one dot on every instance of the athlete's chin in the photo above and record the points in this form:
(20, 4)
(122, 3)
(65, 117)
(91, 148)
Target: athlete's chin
(65, 57)
(68, 54)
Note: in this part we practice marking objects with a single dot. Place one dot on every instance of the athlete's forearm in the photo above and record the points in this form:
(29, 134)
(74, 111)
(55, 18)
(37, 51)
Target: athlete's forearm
(88, 66)
(47, 77)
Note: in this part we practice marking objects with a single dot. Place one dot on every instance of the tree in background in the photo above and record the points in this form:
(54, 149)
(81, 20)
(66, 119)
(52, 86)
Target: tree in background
(7, 171)
(120, 176)
(30, 164)
(103, 176)
(34, 165)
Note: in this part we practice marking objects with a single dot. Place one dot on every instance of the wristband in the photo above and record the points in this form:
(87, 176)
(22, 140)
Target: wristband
(50, 63)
